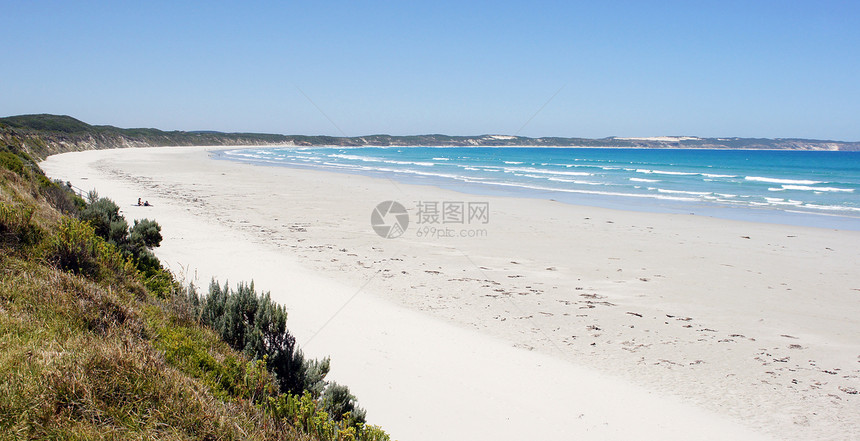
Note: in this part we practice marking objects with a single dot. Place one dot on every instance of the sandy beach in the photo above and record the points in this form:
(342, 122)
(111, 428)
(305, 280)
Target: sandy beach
(547, 321)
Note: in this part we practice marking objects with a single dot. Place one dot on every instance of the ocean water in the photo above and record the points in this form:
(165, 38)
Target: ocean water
(812, 188)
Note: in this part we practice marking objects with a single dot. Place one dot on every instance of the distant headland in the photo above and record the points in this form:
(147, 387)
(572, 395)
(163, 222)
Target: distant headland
(50, 134)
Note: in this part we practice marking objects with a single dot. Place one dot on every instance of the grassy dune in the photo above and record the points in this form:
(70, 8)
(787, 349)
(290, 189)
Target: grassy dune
(97, 341)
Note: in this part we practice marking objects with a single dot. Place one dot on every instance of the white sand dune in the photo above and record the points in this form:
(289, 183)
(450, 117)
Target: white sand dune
(558, 322)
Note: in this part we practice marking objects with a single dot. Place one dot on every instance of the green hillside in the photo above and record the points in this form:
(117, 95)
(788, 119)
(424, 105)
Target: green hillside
(43, 135)
(98, 341)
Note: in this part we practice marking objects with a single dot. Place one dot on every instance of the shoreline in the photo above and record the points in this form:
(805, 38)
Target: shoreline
(517, 147)
(641, 203)
(731, 282)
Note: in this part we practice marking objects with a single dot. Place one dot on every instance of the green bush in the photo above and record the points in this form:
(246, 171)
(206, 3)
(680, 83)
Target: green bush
(62, 197)
(304, 413)
(118, 233)
(146, 233)
(189, 350)
(11, 161)
(301, 411)
(341, 404)
(102, 214)
(134, 243)
(158, 281)
(257, 326)
(254, 324)
(17, 228)
(75, 247)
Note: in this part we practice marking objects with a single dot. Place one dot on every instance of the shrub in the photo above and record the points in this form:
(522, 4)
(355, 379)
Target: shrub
(118, 233)
(147, 263)
(302, 412)
(158, 281)
(101, 213)
(11, 161)
(188, 349)
(63, 198)
(341, 404)
(257, 326)
(75, 247)
(146, 233)
(254, 324)
(134, 243)
(315, 372)
(17, 227)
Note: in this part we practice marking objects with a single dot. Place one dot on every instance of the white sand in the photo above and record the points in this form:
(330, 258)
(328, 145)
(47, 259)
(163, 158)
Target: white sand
(534, 330)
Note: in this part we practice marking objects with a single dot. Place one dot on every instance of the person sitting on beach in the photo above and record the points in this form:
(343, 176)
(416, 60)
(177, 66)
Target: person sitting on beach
(138, 202)
(146, 204)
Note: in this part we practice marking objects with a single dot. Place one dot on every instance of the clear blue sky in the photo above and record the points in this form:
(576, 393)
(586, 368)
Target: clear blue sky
(638, 68)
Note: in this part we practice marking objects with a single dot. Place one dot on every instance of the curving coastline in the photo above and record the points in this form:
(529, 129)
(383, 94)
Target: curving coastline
(700, 310)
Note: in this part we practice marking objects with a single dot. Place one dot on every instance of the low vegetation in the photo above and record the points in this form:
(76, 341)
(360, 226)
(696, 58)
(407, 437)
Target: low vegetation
(43, 135)
(98, 341)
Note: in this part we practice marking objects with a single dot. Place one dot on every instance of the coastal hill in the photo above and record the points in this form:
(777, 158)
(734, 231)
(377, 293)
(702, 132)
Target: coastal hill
(100, 341)
(49, 134)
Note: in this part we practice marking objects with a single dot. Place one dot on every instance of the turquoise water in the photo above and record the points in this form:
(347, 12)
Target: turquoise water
(795, 187)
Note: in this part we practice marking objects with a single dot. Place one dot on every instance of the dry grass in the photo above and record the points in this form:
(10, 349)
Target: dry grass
(90, 348)
(21, 191)
(78, 362)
